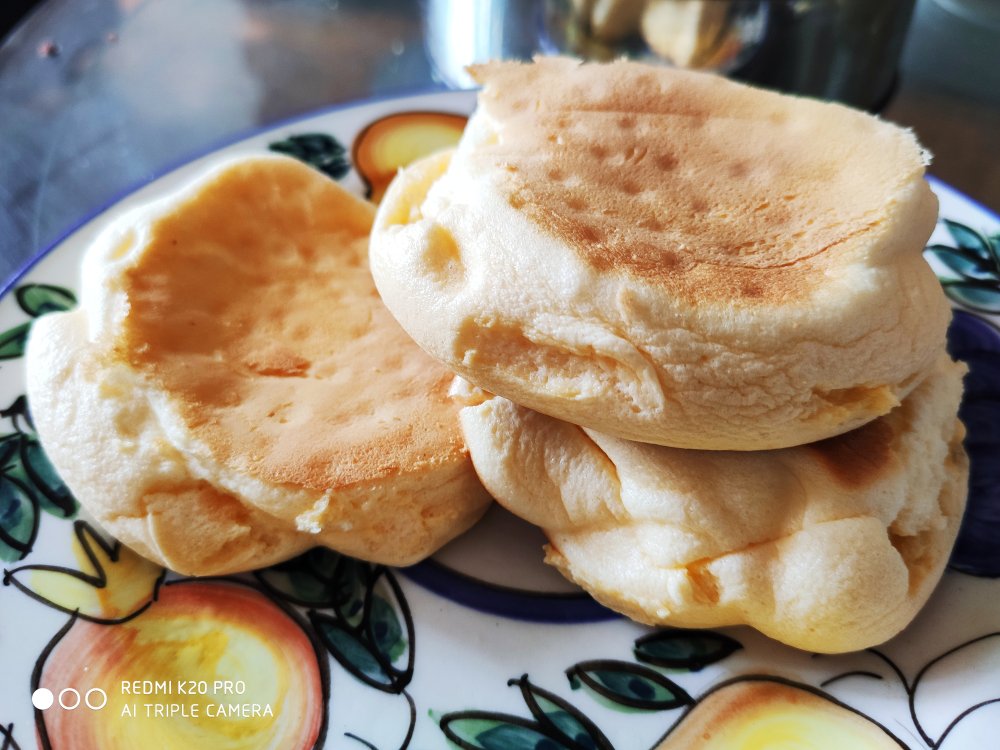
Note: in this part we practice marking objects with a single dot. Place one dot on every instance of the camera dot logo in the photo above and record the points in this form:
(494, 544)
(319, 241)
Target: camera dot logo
(70, 699)
(42, 699)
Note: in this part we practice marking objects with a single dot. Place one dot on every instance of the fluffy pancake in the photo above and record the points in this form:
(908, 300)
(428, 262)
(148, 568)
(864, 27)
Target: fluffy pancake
(830, 547)
(667, 256)
(232, 389)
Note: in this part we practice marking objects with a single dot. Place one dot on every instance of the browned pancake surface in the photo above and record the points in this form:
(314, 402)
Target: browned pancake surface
(707, 188)
(254, 310)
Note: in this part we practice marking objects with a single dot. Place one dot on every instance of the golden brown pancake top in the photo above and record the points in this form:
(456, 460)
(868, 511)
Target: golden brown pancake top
(254, 310)
(693, 182)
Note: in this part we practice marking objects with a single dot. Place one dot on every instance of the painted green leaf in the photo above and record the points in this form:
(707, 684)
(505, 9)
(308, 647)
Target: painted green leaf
(306, 580)
(53, 494)
(349, 586)
(964, 264)
(320, 150)
(976, 295)
(969, 239)
(386, 630)
(39, 299)
(561, 717)
(352, 653)
(516, 738)
(12, 341)
(388, 624)
(567, 725)
(479, 730)
(692, 650)
(10, 455)
(321, 578)
(18, 520)
(322, 562)
(297, 586)
(629, 685)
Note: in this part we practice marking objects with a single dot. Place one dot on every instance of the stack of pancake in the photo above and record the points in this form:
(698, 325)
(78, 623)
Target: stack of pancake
(697, 341)
(700, 346)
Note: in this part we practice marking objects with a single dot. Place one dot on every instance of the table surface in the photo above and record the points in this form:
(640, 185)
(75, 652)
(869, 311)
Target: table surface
(99, 96)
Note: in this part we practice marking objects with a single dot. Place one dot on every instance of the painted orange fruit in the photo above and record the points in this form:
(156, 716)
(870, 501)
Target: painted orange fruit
(209, 664)
(392, 142)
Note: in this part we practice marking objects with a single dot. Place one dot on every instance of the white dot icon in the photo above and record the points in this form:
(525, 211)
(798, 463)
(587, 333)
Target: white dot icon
(42, 699)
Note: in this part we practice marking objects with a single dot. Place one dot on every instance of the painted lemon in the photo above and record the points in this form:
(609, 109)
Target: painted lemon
(772, 714)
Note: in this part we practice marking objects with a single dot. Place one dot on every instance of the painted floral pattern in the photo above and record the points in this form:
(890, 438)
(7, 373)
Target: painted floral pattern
(970, 266)
(29, 485)
(752, 710)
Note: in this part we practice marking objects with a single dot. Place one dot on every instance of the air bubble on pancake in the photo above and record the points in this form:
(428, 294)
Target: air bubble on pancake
(635, 154)
(516, 200)
(440, 254)
(666, 162)
(278, 361)
(652, 223)
(598, 151)
(704, 584)
(279, 412)
(589, 234)
(739, 169)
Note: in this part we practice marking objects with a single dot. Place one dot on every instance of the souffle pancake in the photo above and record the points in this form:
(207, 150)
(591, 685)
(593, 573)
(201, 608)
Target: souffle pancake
(668, 256)
(232, 391)
(831, 546)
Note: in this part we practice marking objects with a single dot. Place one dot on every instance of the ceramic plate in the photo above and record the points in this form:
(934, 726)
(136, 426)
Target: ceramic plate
(482, 646)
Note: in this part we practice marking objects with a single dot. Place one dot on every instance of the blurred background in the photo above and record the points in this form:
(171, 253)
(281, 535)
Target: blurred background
(98, 96)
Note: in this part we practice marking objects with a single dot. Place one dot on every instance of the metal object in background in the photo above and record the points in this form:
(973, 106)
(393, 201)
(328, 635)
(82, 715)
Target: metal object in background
(846, 50)
(462, 32)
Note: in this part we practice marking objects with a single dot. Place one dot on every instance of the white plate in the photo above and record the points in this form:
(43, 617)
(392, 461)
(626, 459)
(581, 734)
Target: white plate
(483, 643)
